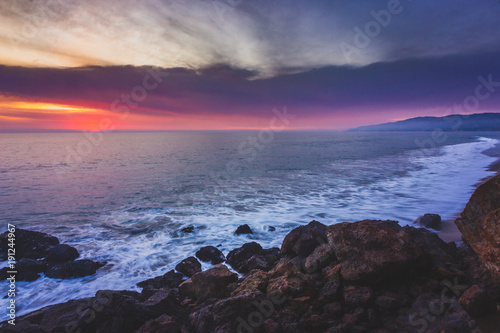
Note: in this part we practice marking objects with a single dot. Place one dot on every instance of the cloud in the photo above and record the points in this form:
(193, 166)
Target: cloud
(358, 95)
(268, 37)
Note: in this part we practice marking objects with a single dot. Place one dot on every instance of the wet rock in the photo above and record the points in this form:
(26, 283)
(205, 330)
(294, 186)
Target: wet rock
(243, 229)
(61, 253)
(169, 280)
(210, 254)
(479, 224)
(255, 281)
(304, 239)
(162, 324)
(211, 283)
(271, 228)
(27, 270)
(238, 258)
(431, 313)
(188, 230)
(476, 301)
(357, 296)
(29, 244)
(73, 269)
(432, 221)
(189, 266)
(234, 314)
(372, 252)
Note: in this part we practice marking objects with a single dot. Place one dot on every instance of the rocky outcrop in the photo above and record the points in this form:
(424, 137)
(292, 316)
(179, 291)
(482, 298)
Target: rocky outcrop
(37, 252)
(479, 224)
(243, 229)
(189, 266)
(366, 276)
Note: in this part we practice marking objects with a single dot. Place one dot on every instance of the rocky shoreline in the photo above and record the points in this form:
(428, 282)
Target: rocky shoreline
(366, 276)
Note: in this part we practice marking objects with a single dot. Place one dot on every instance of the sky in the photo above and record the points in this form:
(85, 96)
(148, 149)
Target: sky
(232, 64)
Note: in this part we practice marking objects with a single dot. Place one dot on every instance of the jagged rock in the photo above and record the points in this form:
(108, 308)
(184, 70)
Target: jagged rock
(234, 314)
(476, 301)
(254, 281)
(239, 257)
(61, 253)
(479, 224)
(189, 266)
(355, 296)
(73, 269)
(27, 270)
(433, 313)
(371, 252)
(432, 221)
(29, 244)
(211, 283)
(243, 229)
(304, 239)
(162, 324)
(210, 254)
(171, 279)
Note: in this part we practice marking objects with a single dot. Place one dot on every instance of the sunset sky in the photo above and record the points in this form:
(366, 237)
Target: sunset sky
(226, 64)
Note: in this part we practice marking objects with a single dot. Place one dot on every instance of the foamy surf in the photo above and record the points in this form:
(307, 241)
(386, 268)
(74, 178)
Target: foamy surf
(144, 239)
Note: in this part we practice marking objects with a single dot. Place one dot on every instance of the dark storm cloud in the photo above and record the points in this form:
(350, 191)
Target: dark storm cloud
(412, 84)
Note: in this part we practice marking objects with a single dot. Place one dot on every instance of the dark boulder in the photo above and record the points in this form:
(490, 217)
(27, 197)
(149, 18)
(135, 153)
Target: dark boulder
(27, 270)
(73, 269)
(239, 257)
(243, 229)
(162, 324)
(189, 266)
(210, 254)
(61, 253)
(211, 283)
(188, 230)
(29, 244)
(171, 279)
(432, 221)
(304, 239)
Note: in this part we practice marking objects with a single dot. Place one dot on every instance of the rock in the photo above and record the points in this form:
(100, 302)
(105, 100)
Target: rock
(431, 313)
(321, 257)
(243, 229)
(61, 253)
(189, 266)
(476, 301)
(29, 244)
(27, 270)
(271, 228)
(372, 252)
(73, 269)
(162, 324)
(169, 280)
(479, 224)
(355, 296)
(233, 314)
(255, 281)
(432, 221)
(238, 258)
(211, 283)
(210, 254)
(304, 239)
(188, 230)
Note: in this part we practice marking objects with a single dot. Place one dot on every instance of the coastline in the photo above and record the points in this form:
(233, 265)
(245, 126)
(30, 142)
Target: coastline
(449, 231)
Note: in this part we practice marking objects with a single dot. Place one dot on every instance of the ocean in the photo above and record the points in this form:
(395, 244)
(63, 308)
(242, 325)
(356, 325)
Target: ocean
(124, 198)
